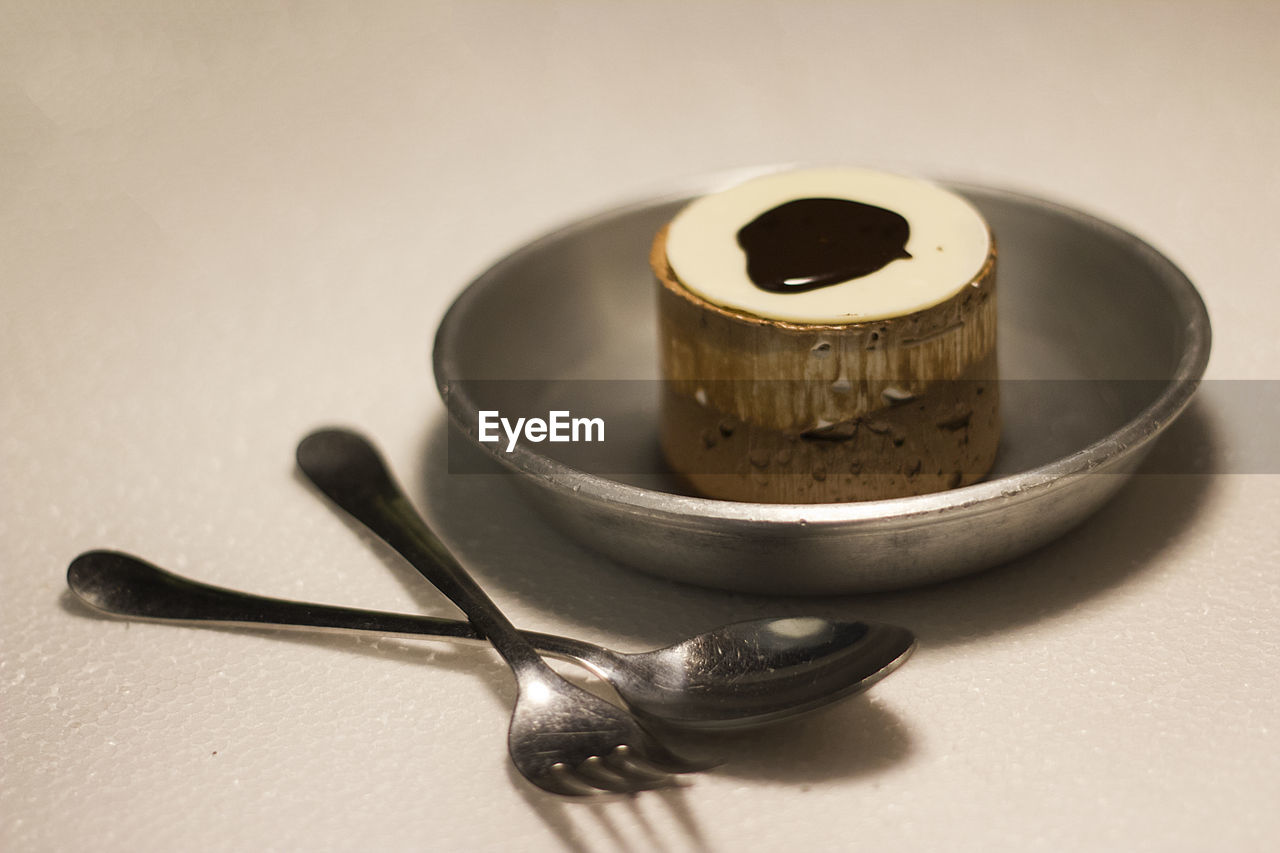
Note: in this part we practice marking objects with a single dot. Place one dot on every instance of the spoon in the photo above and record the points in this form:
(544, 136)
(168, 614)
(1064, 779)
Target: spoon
(733, 677)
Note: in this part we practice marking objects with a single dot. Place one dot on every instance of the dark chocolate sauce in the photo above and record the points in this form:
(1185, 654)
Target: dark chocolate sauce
(814, 242)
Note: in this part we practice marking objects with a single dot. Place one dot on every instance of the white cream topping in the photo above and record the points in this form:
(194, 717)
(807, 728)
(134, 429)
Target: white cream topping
(948, 243)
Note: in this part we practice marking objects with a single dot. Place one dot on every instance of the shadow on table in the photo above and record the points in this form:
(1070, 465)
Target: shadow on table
(848, 740)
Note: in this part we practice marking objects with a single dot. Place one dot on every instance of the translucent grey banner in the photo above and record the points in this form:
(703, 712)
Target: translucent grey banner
(612, 427)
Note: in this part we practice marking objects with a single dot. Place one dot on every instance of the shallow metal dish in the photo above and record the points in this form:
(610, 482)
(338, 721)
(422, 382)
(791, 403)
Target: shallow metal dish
(1102, 343)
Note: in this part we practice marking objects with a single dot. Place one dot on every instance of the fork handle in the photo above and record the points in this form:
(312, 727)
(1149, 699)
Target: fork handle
(348, 469)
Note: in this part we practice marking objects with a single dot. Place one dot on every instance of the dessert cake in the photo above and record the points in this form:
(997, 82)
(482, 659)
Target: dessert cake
(828, 335)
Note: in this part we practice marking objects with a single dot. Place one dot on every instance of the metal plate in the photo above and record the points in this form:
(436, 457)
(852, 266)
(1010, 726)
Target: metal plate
(1102, 343)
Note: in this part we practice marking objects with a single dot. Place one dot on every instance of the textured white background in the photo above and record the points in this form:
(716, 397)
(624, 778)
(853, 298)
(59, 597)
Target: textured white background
(224, 223)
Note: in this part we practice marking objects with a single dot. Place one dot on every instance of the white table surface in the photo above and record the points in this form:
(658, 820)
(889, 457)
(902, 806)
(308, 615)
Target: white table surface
(223, 224)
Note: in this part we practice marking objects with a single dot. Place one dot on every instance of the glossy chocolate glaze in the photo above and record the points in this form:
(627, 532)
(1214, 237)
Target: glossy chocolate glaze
(815, 242)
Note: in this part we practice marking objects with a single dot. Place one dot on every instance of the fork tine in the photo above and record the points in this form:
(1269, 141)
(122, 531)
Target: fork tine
(561, 780)
(658, 759)
(599, 772)
(624, 759)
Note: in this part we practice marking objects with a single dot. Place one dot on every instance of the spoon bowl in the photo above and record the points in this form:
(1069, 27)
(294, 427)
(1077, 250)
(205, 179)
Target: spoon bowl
(756, 672)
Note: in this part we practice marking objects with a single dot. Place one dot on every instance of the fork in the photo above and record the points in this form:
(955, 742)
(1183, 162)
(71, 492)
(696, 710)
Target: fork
(561, 738)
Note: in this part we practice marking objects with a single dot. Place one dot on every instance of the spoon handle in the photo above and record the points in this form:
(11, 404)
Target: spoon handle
(123, 585)
(348, 469)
